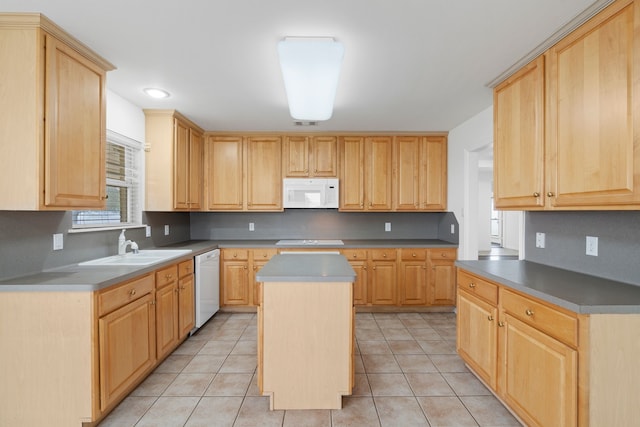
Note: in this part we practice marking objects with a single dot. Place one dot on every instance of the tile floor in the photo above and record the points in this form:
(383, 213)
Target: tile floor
(407, 374)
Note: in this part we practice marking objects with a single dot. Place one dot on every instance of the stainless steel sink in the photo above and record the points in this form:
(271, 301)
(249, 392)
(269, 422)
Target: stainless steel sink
(143, 257)
(310, 242)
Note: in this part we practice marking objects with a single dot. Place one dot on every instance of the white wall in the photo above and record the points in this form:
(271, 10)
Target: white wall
(124, 117)
(511, 230)
(464, 142)
(485, 187)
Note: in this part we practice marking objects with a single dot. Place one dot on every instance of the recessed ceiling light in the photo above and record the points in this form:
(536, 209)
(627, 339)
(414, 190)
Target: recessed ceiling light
(156, 93)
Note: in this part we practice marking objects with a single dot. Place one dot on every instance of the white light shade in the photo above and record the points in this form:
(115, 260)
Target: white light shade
(310, 68)
(156, 93)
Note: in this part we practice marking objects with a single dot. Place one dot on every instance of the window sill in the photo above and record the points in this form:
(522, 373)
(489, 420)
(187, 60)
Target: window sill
(107, 228)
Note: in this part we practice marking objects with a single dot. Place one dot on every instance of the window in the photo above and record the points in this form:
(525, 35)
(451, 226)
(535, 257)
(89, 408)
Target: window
(123, 170)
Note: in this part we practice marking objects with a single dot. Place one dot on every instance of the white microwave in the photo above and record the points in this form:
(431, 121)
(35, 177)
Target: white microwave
(310, 193)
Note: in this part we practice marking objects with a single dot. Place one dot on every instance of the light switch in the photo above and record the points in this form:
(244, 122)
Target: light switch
(387, 226)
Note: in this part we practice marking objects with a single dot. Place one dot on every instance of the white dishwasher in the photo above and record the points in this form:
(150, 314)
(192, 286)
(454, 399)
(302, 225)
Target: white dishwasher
(207, 285)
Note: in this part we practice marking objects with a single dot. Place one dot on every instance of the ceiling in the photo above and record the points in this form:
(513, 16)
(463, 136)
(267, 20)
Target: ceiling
(409, 65)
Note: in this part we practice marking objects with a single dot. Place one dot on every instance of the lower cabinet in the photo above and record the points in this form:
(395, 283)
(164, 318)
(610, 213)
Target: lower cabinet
(413, 276)
(524, 349)
(383, 276)
(238, 271)
(358, 260)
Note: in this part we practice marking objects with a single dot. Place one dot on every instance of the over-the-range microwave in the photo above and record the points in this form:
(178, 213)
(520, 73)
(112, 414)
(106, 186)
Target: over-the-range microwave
(310, 192)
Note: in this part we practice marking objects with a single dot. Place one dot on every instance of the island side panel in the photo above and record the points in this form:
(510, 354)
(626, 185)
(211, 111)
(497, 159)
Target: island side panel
(307, 344)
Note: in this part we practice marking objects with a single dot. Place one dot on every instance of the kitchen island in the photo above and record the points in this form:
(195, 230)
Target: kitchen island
(306, 330)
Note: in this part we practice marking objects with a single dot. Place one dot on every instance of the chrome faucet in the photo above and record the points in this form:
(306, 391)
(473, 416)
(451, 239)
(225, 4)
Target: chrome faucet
(123, 243)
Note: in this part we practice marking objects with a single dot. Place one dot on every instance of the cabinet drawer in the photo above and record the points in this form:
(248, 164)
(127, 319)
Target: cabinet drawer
(443, 253)
(476, 286)
(120, 295)
(355, 254)
(166, 276)
(259, 254)
(383, 254)
(543, 317)
(413, 254)
(235, 254)
(185, 268)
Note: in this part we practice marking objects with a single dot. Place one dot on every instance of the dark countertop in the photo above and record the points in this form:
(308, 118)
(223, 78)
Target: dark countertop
(305, 267)
(348, 244)
(577, 292)
(78, 278)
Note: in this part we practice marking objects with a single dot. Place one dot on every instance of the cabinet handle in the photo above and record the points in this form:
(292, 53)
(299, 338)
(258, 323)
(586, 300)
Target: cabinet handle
(354, 255)
(413, 255)
(549, 194)
(182, 287)
(443, 255)
(235, 255)
(168, 276)
(536, 194)
(384, 255)
(490, 318)
(245, 267)
(152, 302)
(472, 285)
(528, 312)
(132, 292)
(374, 268)
(501, 323)
(105, 197)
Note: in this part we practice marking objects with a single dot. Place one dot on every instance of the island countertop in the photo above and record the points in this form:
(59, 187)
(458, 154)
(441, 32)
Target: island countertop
(306, 267)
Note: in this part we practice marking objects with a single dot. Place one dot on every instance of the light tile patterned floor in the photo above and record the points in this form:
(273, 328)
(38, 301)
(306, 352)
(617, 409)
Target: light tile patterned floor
(407, 374)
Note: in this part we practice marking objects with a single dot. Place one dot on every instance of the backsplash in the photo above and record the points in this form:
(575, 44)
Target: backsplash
(618, 234)
(26, 239)
(322, 224)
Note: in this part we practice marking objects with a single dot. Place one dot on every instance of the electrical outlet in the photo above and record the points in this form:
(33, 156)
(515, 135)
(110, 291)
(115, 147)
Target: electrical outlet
(387, 226)
(592, 246)
(166, 230)
(252, 226)
(453, 229)
(147, 231)
(540, 240)
(58, 242)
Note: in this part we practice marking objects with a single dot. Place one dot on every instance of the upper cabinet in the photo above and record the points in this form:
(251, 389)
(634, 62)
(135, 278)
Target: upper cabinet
(243, 173)
(310, 156)
(173, 162)
(393, 173)
(420, 178)
(572, 118)
(52, 118)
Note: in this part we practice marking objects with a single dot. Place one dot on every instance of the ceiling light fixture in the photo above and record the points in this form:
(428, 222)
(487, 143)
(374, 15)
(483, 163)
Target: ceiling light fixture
(156, 93)
(310, 68)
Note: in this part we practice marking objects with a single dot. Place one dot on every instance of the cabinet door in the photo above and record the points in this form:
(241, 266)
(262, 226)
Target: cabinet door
(407, 166)
(235, 282)
(224, 166)
(324, 156)
(378, 173)
(264, 174)
(360, 284)
(433, 177)
(295, 156)
(127, 348)
(477, 338)
(186, 306)
(383, 282)
(166, 319)
(593, 126)
(351, 173)
(181, 165)
(196, 177)
(442, 282)
(518, 146)
(74, 132)
(539, 378)
(413, 282)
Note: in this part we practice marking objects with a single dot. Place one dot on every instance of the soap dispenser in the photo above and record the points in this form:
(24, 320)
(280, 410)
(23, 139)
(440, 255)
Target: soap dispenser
(122, 243)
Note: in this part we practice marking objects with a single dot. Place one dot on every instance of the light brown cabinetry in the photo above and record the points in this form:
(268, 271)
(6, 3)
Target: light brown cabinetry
(126, 316)
(420, 173)
(365, 173)
(383, 276)
(358, 260)
(173, 162)
(524, 349)
(571, 117)
(239, 268)
(310, 156)
(52, 118)
(413, 276)
(243, 173)
(442, 277)
(166, 310)
(186, 298)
